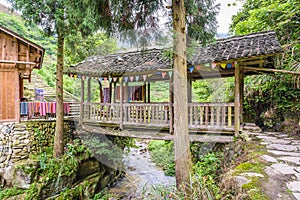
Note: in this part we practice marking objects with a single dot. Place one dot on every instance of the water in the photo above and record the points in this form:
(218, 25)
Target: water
(141, 174)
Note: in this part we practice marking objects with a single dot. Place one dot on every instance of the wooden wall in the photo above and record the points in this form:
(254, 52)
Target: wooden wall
(9, 79)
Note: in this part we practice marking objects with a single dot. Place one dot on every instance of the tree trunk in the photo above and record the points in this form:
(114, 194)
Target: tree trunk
(58, 149)
(181, 134)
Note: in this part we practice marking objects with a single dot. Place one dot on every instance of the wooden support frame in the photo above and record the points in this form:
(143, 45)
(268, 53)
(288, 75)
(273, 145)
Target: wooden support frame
(237, 98)
(81, 102)
(121, 104)
(171, 102)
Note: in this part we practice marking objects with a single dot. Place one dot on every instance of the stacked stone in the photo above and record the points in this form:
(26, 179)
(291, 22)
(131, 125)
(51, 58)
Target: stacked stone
(14, 143)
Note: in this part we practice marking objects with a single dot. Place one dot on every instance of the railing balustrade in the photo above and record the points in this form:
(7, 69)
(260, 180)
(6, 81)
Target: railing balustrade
(200, 115)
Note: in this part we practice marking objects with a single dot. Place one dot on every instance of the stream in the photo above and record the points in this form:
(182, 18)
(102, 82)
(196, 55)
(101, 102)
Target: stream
(141, 174)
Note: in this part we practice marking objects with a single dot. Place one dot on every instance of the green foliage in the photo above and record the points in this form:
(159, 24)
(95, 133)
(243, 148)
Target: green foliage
(33, 191)
(162, 153)
(9, 192)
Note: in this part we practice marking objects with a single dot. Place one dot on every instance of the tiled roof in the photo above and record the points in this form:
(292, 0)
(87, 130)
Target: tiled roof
(118, 64)
(245, 46)
(233, 48)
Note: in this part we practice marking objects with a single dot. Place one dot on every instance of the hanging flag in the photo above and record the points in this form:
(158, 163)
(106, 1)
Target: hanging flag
(170, 73)
(78, 76)
(75, 75)
(115, 79)
(223, 65)
(206, 65)
(213, 65)
(110, 78)
(105, 79)
(229, 66)
(163, 74)
(144, 77)
(71, 75)
(83, 77)
(126, 78)
(100, 79)
(192, 69)
(131, 78)
(137, 78)
(198, 67)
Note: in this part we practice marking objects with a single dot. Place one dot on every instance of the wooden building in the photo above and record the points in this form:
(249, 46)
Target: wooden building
(19, 57)
(237, 57)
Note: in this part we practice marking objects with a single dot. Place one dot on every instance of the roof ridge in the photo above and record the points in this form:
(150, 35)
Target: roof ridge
(268, 32)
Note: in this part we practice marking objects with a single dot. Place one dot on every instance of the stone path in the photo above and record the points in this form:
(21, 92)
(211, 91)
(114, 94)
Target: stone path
(283, 156)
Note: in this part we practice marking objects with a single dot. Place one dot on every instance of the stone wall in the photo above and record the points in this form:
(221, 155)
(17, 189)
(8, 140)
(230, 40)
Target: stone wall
(18, 140)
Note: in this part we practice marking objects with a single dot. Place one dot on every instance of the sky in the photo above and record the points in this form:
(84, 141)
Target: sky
(224, 17)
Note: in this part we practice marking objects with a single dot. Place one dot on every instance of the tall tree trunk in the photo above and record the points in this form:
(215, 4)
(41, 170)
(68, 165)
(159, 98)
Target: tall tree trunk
(58, 149)
(181, 134)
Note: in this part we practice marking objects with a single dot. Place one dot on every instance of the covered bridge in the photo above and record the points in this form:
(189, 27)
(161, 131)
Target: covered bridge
(125, 81)
(18, 57)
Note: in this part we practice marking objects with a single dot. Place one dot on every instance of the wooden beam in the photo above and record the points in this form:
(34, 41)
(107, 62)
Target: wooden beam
(154, 135)
(89, 90)
(241, 95)
(237, 99)
(17, 62)
(189, 89)
(270, 70)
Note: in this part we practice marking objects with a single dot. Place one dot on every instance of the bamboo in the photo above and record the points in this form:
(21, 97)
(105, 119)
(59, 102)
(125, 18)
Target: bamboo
(270, 70)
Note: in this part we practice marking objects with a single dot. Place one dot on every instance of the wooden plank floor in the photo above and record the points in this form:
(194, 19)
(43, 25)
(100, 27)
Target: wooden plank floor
(156, 134)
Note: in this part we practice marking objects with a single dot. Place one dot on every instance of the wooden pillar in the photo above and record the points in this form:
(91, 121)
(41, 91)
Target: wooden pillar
(181, 131)
(89, 90)
(110, 92)
(144, 93)
(189, 89)
(115, 92)
(241, 95)
(81, 103)
(126, 92)
(148, 95)
(237, 98)
(171, 102)
(89, 97)
(121, 103)
(101, 91)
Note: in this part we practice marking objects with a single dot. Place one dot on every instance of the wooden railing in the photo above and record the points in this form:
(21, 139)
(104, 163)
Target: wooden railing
(211, 115)
(200, 115)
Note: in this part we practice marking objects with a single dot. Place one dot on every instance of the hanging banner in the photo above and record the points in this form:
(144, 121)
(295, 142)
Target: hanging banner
(170, 73)
(110, 79)
(75, 75)
(83, 77)
(137, 78)
(213, 65)
(126, 78)
(223, 65)
(144, 77)
(131, 78)
(100, 79)
(78, 76)
(198, 67)
(115, 79)
(229, 66)
(163, 74)
(71, 75)
(192, 69)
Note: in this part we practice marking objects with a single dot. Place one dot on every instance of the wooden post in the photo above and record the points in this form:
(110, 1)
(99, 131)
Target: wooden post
(181, 132)
(101, 91)
(144, 93)
(171, 102)
(121, 103)
(241, 95)
(115, 92)
(148, 95)
(81, 102)
(237, 98)
(110, 91)
(89, 97)
(189, 89)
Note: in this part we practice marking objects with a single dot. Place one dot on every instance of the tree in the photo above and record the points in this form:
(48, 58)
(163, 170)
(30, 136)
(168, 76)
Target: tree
(62, 18)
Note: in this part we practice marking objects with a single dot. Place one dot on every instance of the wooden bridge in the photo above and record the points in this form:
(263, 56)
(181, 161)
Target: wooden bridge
(124, 81)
